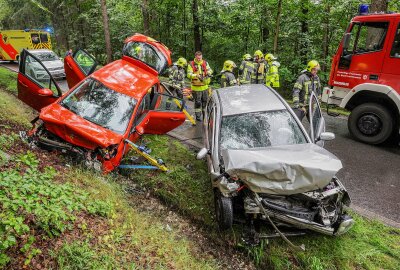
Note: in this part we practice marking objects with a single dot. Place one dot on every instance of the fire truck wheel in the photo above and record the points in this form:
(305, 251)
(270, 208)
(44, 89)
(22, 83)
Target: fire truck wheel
(370, 123)
(223, 211)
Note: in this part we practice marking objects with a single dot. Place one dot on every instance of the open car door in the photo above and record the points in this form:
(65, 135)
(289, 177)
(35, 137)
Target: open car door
(317, 121)
(78, 66)
(36, 86)
(166, 115)
(147, 53)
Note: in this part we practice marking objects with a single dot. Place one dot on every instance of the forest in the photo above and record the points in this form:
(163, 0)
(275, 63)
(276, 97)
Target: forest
(295, 31)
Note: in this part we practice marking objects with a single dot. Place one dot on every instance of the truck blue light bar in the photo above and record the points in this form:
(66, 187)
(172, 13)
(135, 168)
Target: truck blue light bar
(363, 9)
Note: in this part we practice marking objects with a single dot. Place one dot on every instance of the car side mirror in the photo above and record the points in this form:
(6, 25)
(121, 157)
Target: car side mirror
(346, 41)
(327, 136)
(202, 153)
(45, 92)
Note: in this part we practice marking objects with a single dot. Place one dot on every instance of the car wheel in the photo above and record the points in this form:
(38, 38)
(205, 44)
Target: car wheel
(223, 211)
(370, 123)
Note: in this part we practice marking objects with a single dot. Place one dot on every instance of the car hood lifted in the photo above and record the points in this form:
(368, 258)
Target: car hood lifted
(282, 170)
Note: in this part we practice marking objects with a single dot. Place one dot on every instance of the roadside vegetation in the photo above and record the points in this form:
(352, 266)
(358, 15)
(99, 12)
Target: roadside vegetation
(56, 214)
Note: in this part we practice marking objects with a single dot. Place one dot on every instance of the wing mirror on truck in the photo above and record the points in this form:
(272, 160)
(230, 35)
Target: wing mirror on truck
(346, 41)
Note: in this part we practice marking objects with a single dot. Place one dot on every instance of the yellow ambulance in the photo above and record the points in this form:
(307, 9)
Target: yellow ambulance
(13, 41)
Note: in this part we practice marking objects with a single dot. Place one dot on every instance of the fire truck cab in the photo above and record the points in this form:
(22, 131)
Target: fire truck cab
(365, 77)
(12, 42)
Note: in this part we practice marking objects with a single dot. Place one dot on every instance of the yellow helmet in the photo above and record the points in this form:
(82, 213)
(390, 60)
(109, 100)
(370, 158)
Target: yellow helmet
(313, 64)
(259, 54)
(270, 57)
(247, 56)
(229, 65)
(181, 62)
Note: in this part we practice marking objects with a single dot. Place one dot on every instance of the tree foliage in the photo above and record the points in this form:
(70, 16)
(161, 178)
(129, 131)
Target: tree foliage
(223, 29)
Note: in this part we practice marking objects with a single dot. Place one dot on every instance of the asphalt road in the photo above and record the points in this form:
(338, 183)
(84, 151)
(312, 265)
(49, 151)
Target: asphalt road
(14, 67)
(371, 174)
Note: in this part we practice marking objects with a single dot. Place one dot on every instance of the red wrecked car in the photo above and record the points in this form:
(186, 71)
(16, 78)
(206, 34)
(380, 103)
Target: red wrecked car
(104, 108)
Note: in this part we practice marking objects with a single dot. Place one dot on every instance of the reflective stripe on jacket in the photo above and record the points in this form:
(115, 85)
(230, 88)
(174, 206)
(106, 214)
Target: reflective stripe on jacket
(303, 87)
(201, 68)
(177, 76)
(227, 79)
(245, 70)
(273, 76)
(259, 72)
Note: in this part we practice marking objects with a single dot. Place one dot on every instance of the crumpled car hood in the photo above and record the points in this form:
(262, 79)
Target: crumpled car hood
(76, 130)
(282, 170)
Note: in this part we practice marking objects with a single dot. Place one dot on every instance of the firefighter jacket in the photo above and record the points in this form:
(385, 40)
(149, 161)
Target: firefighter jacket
(201, 82)
(273, 75)
(227, 79)
(259, 72)
(305, 84)
(177, 76)
(245, 70)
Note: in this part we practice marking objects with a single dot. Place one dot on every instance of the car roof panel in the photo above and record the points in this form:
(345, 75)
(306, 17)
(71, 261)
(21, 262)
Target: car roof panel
(248, 98)
(126, 78)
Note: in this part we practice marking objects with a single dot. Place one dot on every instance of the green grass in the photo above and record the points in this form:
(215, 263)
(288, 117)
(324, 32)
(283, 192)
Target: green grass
(369, 244)
(8, 80)
(88, 213)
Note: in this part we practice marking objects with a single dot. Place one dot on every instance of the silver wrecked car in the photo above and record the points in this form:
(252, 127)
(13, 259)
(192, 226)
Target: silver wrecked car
(265, 166)
(50, 60)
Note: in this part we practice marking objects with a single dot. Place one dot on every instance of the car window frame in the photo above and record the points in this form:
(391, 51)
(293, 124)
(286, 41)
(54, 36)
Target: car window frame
(360, 25)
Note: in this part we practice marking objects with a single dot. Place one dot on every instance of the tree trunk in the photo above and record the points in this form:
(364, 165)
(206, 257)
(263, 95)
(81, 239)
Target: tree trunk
(106, 30)
(196, 26)
(278, 17)
(146, 17)
(184, 30)
(325, 41)
(379, 5)
(304, 42)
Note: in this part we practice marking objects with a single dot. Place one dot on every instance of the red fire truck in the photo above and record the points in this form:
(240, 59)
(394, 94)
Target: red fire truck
(365, 77)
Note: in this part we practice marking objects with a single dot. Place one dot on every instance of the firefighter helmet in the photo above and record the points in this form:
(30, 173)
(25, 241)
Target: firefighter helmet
(181, 62)
(229, 65)
(312, 64)
(258, 54)
(270, 57)
(247, 56)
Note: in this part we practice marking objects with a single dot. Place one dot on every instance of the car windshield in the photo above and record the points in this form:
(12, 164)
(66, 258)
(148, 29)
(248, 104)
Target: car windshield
(98, 104)
(260, 129)
(46, 56)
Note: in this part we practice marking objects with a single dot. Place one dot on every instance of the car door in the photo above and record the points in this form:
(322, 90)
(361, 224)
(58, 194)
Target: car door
(147, 53)
(78, 66)
(317, 121)
(36, 87)
(164, 115)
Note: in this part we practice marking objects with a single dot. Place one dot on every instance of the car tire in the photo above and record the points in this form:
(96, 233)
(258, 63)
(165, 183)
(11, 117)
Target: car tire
(223, 211)
(370, 123)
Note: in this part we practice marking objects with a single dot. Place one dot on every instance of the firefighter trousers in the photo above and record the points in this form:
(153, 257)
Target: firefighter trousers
(200, 102)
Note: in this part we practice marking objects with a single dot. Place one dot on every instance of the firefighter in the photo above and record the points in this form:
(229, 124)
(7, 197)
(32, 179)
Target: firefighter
(177, 74)
(272, 78)
(260, 68)
(245, 69)
(227, 76)
(307, 82)
(200, 74)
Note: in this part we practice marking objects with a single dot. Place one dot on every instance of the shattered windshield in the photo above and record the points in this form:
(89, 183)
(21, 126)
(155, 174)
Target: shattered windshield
(260, 129)
(46, 56)
(98, 104)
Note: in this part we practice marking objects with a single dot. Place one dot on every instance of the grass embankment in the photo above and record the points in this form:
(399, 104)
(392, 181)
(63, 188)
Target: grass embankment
(54, 216)
(369, 244)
